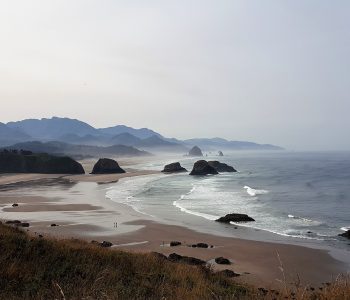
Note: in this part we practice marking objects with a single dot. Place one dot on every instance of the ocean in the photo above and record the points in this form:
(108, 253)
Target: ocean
(293, 196)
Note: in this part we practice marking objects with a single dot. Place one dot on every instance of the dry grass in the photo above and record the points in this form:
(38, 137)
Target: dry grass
(38, 268)
(339, 289)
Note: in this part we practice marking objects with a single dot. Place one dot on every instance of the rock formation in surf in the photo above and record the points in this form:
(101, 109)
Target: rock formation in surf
(107, 166)
(195, 151)
(173, 168)
(345, 234)
(221, 167)
(201, 167)
(220, 153)
(27, 162)
(236, 218)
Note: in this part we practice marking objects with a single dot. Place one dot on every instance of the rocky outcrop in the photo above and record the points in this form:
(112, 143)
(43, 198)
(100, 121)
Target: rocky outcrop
(185, 259)
(236, 218)
(222, 261)
(195, 151)
(174, 168)
(17, 223)
(104, 244)
(202, 167)
(16, 162)
(220, 153)
(14, 222)
(221, 167)
(200, 245)
(107, 166)
(175, 243)
(345, 234)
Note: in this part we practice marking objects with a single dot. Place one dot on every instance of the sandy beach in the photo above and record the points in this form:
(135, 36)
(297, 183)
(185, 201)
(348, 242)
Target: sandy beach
(79, 206)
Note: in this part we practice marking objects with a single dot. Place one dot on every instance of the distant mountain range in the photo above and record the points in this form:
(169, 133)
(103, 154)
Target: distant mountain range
(70, 133)
(60, 148)
(222, 144)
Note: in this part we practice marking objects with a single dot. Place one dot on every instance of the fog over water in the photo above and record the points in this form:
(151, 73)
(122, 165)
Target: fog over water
(267, 71)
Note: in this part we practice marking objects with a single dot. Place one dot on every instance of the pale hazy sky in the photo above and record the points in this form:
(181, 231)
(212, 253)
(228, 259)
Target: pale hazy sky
(268, 71)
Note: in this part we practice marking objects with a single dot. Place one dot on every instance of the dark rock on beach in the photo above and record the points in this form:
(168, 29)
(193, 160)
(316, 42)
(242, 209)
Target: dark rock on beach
(201, 167)
(192, 261)
(185, 259)
(195, 151)
(14, 205)
(106, 244)
(235, 218)
(221, 167)
(202, 245)
(174, 168)
(17, 223)
(53, 225)
(174, 257)
(14, 222)
(175, 243)
(107, 166)
(345, 234)
(222, 261)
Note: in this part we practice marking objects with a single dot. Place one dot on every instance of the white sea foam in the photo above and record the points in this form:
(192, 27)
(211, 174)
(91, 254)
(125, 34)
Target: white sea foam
(130, 244)
(254, 192)
(345, 228)
(306, 220)
(203, 215)
(127, 189)
(287, 233)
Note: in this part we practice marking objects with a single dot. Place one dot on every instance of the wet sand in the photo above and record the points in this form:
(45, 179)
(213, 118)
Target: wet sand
(108, 178)
(15, 178)
(79, 206)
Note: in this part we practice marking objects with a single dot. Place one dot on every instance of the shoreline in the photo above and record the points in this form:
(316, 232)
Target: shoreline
(139, 233)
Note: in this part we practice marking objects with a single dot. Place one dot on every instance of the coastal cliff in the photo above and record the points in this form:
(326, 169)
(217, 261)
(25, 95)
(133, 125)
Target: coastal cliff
(28, 162)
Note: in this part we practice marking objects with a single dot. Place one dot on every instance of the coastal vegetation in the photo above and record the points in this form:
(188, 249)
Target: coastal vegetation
(44, 268)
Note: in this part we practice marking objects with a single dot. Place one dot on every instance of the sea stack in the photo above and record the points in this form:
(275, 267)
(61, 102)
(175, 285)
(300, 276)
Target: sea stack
(201, 167)
(220, 153)
(221, 167)
(346, 234)
(174, 168)
(195, 151)
(107, 166)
